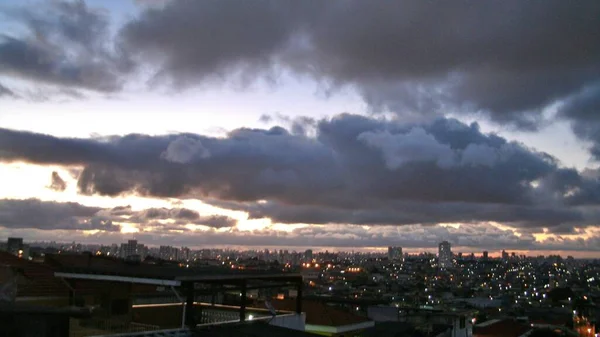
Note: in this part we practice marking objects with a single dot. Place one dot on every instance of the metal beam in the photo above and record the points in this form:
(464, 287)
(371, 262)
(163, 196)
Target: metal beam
(224, 289)
(189, 305)
(231, 279)
(299, 287)
(115, 278)
(243, 303)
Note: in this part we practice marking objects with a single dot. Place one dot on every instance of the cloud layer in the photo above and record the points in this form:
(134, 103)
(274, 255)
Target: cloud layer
(33, 213)
(508, 60)
(50, 215)
(356, 170)
(66, 44)
(412, 56)
(519, 64)
(399, 56)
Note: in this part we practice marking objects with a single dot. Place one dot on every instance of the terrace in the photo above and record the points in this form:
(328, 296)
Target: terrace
(156, 301)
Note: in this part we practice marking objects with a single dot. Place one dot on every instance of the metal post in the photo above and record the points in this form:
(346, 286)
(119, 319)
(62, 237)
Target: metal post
(299, 286)
(243, 302)
(182, 301)
(189, 306)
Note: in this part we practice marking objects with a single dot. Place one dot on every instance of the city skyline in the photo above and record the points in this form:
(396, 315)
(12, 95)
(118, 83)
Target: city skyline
(278, 130)
(380, 251)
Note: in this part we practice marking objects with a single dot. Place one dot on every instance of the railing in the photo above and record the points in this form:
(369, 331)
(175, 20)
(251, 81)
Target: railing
(206, 314)
(95, 326)
(157, 333)
(170, 298)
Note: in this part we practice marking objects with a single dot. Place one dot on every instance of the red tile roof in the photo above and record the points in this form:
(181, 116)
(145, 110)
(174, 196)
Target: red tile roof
(504, 328)
(39, 278)
(318, 313)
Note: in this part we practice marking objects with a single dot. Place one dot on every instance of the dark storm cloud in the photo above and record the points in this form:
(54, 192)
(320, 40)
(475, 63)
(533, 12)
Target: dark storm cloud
(66, 44)
(354, 170)
(57, 183)
(583, 108)
(506, 58)
(49, 215)
(406, 213)
(180, 216)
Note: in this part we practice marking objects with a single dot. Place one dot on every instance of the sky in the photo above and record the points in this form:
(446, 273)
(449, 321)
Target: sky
(339, 125)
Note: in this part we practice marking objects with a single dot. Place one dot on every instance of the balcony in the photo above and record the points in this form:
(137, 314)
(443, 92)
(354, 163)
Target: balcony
(172, 315)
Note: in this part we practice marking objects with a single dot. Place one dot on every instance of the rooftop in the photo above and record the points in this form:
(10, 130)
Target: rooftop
(38, 279)
(501, 328)
(318, 313)
(169, 275)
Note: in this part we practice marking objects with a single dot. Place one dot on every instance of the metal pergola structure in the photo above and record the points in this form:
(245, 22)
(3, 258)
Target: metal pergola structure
(190, 283)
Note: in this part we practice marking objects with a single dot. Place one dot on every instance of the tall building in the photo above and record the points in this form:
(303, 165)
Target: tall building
(168, 253)
(504, 255)
(129, 249)
(13, 245)
(485, 254)
(16, 247)
(445, 254)
(395, 253)
(185, 253)
(308, 255)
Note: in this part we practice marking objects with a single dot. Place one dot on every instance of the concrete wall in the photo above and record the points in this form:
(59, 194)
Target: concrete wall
(291, 321)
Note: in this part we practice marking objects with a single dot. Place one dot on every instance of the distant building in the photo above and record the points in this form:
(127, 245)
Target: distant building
(485, 254)
(445, 254)
(504, 255)
(308, 255)
(129, 249)
(395, 253)
(16, 247)
(168, 253)
(185, 253)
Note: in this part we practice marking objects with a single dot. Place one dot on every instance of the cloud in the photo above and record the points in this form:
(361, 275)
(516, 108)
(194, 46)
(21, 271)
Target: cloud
(65, 44)
(534, 218)
(416, 145)
(49, 215)
(399, 56)
(583, 108)
(355, 170)
(184, 149)
(57, 183)
(4, 91)
(179, 216)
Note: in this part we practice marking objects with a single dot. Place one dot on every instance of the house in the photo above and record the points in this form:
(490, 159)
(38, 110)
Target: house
(35, 282)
